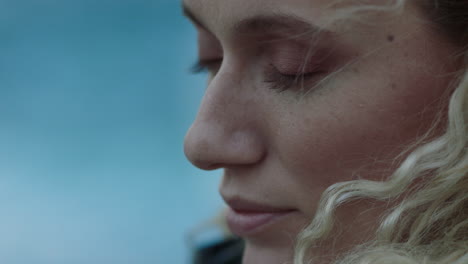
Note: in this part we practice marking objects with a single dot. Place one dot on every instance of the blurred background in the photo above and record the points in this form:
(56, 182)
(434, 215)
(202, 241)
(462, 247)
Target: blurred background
(95, 99)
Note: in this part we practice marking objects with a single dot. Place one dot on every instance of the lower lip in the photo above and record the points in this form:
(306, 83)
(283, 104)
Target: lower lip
(244, 224)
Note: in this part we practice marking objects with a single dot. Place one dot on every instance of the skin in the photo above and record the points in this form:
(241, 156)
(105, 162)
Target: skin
(380, 87)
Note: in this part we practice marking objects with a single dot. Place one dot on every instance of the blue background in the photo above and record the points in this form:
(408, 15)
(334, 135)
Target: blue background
(95, 99)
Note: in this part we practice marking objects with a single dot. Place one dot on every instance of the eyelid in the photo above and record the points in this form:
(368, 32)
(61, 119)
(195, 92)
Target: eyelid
(208, 45)
(291, 59)
(282, 82)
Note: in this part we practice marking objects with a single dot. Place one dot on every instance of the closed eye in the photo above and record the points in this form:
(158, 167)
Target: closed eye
(281, 82)
(206, 66)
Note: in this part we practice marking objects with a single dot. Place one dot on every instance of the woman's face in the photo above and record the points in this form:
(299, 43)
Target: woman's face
(369, 87)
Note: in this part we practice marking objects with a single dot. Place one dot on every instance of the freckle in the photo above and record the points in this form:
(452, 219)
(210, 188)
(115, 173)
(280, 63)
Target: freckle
(393, 86)
(390, 38)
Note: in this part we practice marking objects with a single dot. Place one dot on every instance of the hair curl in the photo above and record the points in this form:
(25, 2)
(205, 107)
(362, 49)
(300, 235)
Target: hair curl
(430, 224)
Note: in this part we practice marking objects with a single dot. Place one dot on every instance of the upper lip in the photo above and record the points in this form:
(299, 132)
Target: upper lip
(242, 205)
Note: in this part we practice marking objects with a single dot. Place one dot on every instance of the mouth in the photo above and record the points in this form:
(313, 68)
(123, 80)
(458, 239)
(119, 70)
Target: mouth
(246, 218)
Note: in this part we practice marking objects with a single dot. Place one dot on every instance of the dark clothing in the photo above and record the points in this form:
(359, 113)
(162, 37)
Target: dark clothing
(228, 251)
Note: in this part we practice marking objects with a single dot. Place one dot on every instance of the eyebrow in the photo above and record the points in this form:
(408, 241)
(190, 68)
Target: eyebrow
(276, 22)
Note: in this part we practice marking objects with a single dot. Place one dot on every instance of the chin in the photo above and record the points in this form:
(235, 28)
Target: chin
(263, 254)
(274, 243)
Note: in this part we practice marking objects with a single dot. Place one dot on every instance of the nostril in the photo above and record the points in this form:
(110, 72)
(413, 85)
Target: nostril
(208, 166)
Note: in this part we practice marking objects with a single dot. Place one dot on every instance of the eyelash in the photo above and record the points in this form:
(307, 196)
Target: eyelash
(206, 66)
(281, 82)
(275, 79)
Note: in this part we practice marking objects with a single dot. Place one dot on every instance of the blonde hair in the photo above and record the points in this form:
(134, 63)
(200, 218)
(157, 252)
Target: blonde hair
(430, 223)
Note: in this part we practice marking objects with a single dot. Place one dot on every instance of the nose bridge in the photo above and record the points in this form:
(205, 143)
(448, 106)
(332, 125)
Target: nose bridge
(226, 101)
(225, 131)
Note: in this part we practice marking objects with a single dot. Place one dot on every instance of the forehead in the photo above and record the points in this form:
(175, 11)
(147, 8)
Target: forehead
(220, 16)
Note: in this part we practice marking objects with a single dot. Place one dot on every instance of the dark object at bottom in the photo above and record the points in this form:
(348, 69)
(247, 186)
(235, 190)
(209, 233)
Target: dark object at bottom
(225, 252)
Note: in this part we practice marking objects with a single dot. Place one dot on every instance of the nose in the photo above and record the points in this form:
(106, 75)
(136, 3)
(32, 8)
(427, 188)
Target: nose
(226, 131)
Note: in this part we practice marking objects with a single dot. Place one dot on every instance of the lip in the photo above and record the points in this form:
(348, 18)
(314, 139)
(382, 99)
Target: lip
(245, 218)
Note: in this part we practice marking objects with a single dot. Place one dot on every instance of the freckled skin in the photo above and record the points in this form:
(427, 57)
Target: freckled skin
(287, 148)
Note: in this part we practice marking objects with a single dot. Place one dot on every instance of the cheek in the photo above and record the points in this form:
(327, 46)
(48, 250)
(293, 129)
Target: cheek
(358, 126)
